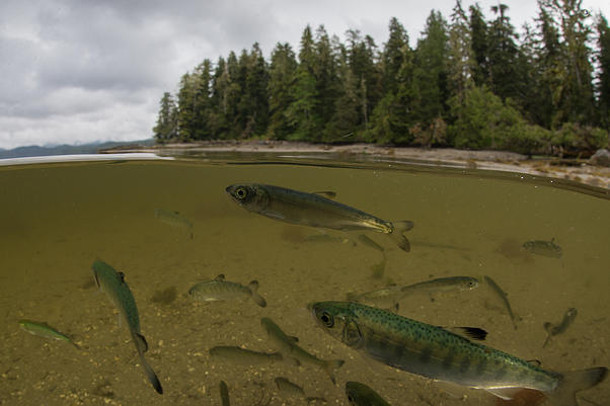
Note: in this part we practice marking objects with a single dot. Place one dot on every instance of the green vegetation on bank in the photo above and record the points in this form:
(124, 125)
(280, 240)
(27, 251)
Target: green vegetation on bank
(471, 82)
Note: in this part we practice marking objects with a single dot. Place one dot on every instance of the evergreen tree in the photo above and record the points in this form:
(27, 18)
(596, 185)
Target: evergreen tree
(480, 46)
(573, 92)
(461, 59)
(506, 72)
(301, 114)
(167, 122)
(361, 57)
(603, 83)
(430, 71)
(282, 73)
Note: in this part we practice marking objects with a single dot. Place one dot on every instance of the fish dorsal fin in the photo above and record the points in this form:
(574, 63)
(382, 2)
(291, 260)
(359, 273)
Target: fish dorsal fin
(293, 339)
(329, 194)
(220, 277)
(534, 362)
(121, 276)
(471, 333)
(141, 343)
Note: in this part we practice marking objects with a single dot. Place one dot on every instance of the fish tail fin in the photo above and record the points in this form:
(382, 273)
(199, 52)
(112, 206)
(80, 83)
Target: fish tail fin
(142, 347)
(152, 376)
(397, 234)
(575, 381)
(330, 367)
(403, 225)
(258, 299)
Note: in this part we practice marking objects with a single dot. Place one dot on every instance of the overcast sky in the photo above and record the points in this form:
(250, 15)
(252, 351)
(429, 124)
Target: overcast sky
(78, 71)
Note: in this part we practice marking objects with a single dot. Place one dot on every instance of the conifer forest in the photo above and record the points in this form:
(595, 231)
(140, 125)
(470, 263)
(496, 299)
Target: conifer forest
(472, 81)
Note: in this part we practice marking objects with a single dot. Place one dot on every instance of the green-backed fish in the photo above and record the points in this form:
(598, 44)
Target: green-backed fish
(244, 356)
(439, 354)
(219, 289)
(113, 283)
(554, 329)
(291, 389)
(503, 296)
(175, 219)
(544, 248)
(359, 394)
(289, 348)
(41, 329)
(314, 210)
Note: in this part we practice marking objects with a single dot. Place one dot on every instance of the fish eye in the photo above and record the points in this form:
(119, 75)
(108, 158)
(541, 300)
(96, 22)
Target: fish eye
(327, 319)
(241, 193)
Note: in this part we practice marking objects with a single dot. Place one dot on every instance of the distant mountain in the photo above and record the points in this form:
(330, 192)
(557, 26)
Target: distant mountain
(35, 150)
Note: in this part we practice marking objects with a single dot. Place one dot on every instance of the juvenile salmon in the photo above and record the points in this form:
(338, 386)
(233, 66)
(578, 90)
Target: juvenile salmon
(314, 210)
(436, 353)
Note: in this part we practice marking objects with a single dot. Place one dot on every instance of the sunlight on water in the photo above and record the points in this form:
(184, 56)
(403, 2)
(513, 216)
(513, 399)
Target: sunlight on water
(169, 225)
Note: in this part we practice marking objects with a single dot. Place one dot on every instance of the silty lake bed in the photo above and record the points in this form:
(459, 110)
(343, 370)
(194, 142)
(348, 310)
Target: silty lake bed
(169, 224)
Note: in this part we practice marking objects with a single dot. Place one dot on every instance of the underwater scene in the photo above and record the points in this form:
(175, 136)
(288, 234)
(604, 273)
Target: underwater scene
(284, 280)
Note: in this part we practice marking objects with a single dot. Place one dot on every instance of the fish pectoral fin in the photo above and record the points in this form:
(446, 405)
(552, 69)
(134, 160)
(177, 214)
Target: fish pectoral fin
(220, 277)
(293, 339)
(504, 393)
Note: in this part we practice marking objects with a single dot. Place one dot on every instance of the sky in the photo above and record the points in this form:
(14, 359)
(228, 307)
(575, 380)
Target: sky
(80, 71)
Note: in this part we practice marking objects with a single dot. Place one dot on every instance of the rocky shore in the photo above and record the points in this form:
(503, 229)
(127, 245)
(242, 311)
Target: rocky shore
(590, 172)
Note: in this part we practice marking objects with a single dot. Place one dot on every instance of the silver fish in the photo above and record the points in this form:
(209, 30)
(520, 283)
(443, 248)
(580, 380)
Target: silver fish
(242, 355)
(436, 353)
(389, 296)
(219, 289)
(442, 285)
(175, 219)
(314, 210)
(113, 283)
(553, 330)
(293, 390)
(544, 248)
(288, 346)
(504, 296)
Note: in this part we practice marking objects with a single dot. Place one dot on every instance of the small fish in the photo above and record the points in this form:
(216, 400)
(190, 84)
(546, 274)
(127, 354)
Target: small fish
(44, 330)
(289, 348)
(241, 355)
(439, 354)
(450, 283)
(544, 248)
(175, 219)
(389, 297)
(224, 393)
(553, 330)
(311, 209)
(385, 298)
(113, 283)
(358, 394)
(291, 389)
(219, 289)
(504, 296)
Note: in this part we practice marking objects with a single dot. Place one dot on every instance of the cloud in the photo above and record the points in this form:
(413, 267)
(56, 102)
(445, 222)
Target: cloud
(81, 70)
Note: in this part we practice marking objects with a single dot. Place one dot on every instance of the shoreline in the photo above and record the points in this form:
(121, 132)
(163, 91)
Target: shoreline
(580, 171)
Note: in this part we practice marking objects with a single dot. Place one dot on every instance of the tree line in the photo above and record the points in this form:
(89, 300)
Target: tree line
(470, 82)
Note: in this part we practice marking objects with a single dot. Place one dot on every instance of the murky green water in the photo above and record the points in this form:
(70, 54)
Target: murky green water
(55, 220)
